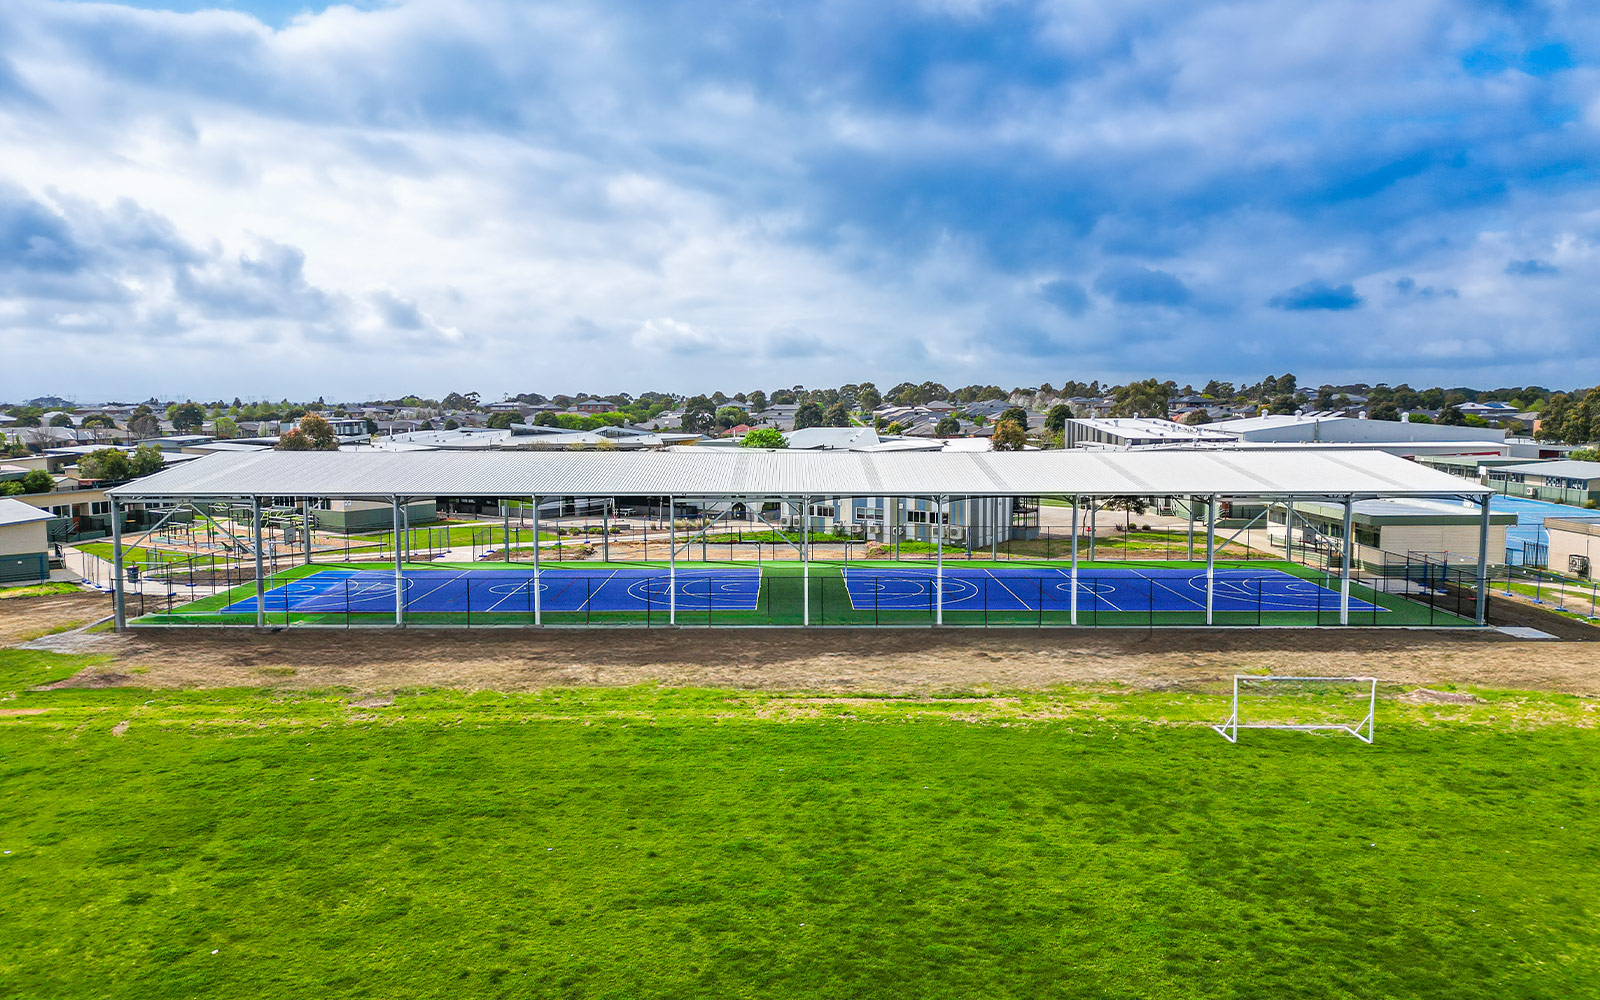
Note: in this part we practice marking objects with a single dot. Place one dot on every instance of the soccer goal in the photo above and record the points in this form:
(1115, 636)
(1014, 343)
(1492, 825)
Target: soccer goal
(1344, 704)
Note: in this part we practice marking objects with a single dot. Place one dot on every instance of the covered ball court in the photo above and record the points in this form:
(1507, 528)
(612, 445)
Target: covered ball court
(799, 590)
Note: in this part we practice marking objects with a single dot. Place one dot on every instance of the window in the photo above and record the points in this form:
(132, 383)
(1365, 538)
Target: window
(100, 507)
(925, 517)
(869, 513)
(821, 510)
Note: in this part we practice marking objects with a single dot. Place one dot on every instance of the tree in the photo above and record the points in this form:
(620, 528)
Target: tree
(188, 417)
(838, 415)
(1584, 455)
(757, 401)
(1009, 436)
(868, 397)
(764, 437)
(37, 481)
(1147, 398)
(731, 416)
(948, 426)
(545, 419)
(1197, 417)
(320, 431)
(145, 460)
(1130, 504)
(145, 425)
(61, 420)
(460, 401)
(699, 415)
(1384, 411)
(500, 421)
(1055, 421)
(452, 424)
(808, 415)
(295, 440)
(106, 464)
(224, 427)
(1016, 415)
(895, 428)
(1452, 416)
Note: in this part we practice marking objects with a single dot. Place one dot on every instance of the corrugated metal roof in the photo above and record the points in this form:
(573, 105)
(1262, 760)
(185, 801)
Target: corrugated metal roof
(723, 472)
(1565, 468)
(17, 512)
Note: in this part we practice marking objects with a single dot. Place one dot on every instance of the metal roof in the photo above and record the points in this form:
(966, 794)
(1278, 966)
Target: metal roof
(1565, 468)
(17, 512)
(751, 472)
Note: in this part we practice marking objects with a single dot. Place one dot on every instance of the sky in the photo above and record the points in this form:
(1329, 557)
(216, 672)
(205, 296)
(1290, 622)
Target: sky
(266, 198)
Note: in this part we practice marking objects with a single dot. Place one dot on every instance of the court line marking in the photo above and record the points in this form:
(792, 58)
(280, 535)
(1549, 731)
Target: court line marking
(1013, 594)
(1180, 595)
(1093, 589)
(588, 600)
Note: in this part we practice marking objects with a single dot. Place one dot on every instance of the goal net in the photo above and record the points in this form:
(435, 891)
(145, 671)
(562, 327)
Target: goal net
(1341, 704)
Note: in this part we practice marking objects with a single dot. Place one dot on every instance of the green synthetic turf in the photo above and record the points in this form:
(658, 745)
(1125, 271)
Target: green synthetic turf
(685, 843)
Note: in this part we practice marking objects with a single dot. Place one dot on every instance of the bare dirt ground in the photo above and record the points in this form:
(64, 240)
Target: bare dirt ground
(890, 661)
(23, 618)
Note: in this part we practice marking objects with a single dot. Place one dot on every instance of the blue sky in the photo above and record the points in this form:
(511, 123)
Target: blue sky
(277, 198)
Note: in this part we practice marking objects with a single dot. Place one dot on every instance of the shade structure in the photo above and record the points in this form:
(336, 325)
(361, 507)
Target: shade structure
(722, 473)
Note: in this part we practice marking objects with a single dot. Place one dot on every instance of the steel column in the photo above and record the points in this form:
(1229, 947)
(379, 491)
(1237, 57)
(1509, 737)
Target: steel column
(118, 606)
(1073, 597)
(399, 570)
(938, 571)
(1482, 613)
(538, 618)
(261, 592)
(672, 561)
(805, 562)
(1344, 562)
(1211, 558)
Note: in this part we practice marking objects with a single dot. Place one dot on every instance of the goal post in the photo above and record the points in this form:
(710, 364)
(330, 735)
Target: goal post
(1341, 704)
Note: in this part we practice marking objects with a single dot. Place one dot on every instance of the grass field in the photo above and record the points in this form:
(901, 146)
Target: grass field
(782, 599)
(646, 842)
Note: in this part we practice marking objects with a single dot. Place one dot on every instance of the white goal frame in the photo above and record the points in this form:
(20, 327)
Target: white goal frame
(1361, 730)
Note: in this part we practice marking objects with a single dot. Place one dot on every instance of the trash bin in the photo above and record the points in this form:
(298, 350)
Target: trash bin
(133, 573)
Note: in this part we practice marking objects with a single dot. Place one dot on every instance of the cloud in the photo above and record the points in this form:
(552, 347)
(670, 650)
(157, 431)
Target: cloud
(1532, 268)
(792, 342)
(1067, 296)
(671, 337)
(953, 189)
(1142, 286)
(1407, 287)
(1314, 295)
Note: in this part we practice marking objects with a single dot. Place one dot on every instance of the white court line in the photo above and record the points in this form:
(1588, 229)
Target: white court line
(1200, 605)
(585, 605)
(410, 598)
(1092, 590)
(513, 593)
(1008, 590)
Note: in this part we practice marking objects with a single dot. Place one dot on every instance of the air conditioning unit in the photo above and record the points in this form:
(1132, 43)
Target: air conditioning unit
(1578, 566)
(955, 534)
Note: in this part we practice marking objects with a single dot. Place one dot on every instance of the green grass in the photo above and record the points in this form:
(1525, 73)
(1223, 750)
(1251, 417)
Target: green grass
(782, 601)
(680, 842)
(40, 590)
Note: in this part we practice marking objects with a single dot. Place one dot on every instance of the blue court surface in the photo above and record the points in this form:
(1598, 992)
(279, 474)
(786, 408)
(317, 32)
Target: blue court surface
(738, 588)
(1032, 588)
(337, 591)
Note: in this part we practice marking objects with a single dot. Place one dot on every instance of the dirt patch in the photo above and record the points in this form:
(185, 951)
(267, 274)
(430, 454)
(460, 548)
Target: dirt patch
(92, 677)
(834, 661)
(1428, 696)
(374, 702)
(120, 729)
(7, 712)
(23, 618)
